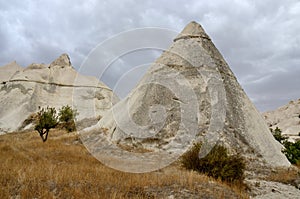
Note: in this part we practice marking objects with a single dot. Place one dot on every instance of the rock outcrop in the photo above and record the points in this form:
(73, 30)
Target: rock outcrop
(189, 94)
(286, 118)
(24, 90)
(8, 70)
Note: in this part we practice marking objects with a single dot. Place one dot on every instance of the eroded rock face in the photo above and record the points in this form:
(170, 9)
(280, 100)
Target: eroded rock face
(189, 94)
(23, 90)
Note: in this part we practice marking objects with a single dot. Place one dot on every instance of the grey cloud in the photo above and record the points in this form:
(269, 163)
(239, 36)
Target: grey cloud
(257, 38)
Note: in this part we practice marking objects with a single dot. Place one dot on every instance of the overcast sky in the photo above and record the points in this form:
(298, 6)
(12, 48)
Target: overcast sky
(260, 40)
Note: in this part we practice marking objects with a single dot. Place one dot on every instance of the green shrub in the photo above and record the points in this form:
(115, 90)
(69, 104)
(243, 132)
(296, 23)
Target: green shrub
(217, 163)
(67, 114)
(67, 117)
(46, 120)
(278, 136)
(190, 160)
(292, 151)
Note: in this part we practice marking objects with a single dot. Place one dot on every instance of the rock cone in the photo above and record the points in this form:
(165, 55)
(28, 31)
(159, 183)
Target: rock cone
(189, 94)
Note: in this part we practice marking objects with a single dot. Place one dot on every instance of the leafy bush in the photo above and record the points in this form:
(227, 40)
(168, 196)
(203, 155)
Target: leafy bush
(292, 151)
(47, 120)
(217, 163)
(67, 114)
(67, 117)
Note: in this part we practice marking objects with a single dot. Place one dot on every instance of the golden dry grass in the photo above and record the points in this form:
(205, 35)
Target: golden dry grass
(286, 176)
(63, 168)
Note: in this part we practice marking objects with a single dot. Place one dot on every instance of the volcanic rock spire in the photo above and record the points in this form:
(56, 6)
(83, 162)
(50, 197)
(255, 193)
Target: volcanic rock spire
(189, 94)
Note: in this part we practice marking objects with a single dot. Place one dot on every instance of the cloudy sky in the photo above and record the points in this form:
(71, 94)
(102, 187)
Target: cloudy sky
(260, 40)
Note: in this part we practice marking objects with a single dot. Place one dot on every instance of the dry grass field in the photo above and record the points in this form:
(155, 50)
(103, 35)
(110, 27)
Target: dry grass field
(63, 168)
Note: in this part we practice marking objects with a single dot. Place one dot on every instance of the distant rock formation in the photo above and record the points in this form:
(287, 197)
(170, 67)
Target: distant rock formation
(287, 118)
(24, 90)
(189, 94)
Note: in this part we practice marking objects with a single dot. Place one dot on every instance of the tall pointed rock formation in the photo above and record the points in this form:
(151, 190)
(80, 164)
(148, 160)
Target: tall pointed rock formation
(189, 94)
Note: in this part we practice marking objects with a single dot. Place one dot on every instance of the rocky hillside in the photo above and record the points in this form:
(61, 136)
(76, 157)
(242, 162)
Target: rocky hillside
(24, 90)
(287, 118)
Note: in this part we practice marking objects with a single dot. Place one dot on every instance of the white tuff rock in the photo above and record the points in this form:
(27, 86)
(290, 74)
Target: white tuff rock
(23, 90)
(189, 94)
(286, 118)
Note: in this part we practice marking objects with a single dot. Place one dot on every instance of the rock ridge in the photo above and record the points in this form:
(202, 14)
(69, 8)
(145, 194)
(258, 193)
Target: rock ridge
(24, 90)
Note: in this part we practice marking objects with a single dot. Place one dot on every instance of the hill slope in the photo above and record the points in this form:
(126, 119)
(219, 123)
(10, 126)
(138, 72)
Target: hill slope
(287, 118)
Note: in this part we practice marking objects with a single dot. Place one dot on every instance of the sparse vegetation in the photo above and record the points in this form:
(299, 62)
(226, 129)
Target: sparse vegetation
(217, 164)
(47, 120)
(63, 168)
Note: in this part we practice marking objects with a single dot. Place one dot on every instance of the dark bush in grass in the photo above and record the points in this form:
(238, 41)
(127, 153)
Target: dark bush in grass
(217, 163)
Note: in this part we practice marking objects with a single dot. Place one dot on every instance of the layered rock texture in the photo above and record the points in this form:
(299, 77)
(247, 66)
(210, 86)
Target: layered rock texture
(286, 118)
(189, 94)
(24, 90)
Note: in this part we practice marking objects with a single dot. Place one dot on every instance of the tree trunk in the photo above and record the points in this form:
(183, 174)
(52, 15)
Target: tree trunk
(44, 138)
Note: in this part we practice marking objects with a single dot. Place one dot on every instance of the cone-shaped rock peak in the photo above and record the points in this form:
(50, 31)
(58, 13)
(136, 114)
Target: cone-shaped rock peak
(192, 30)
(189, 94)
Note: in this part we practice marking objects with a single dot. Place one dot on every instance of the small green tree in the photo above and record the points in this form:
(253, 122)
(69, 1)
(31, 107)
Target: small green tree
(47, 120)
(67, 117)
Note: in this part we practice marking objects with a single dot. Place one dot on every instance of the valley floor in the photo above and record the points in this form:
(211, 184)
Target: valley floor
(63, 168)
